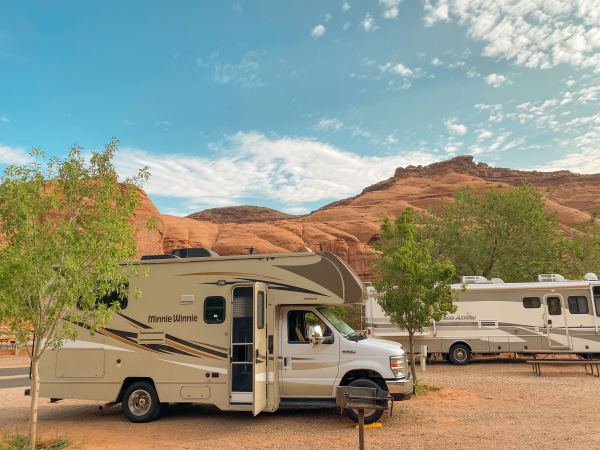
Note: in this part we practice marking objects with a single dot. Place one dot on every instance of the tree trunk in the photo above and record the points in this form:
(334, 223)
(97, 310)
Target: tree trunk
(411, 350)
(35, 395)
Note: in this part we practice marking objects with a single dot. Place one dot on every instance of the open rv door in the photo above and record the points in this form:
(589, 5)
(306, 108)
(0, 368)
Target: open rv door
(260, 348)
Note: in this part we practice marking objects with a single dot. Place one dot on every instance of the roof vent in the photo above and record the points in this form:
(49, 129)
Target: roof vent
(150, 257)
(590, 276)
(474, 279)
(548, 277)
(198, 252)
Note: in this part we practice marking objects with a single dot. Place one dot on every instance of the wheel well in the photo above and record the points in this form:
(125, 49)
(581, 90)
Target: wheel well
(129, 381)
(363, 373)
(461, 342)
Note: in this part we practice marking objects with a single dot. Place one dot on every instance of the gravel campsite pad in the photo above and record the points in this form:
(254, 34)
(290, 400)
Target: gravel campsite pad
(483, 405)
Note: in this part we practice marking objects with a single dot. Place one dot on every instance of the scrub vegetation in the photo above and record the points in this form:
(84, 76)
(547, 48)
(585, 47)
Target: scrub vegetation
(66, 228)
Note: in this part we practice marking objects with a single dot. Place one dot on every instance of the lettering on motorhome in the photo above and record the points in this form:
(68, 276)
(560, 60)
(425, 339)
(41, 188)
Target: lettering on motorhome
(467, 316)
(173, 318)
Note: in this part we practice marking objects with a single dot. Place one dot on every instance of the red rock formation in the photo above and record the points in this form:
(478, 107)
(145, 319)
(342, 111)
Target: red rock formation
(348, 226)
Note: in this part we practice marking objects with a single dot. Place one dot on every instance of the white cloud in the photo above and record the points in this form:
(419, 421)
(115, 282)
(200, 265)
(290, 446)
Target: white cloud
(243, 73)
(473, 73)
(4, 119)
(346, 7)
(587, 161)
(496, 80)
(346, 26)
(318, 31)
(252, 165)
(391, 8)
(436, 62)
(455, 128)
(327, 17)
(402, 70)
(296, 210)
(368, 23)
(531, 33)
(13, 155)
(329, 124)
(484, 134)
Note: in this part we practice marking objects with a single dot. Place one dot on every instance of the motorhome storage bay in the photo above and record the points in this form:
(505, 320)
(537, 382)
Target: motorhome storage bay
(172, 318)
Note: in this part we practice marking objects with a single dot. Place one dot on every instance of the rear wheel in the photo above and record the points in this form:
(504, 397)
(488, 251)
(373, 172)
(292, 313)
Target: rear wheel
(140, 402)
(459, 354)
(371, 415)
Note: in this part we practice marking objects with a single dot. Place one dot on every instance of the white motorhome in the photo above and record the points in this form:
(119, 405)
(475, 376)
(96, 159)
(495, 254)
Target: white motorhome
(548, 315)
(248, 333)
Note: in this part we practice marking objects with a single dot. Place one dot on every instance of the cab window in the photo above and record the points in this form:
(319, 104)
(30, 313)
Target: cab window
(302, 325)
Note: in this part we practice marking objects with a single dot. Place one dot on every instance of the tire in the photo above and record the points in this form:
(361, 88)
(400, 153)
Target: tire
(140, 402)
(459, 354)
(371, 416)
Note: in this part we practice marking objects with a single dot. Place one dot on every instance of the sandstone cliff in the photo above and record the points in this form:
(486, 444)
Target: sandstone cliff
(348, 227)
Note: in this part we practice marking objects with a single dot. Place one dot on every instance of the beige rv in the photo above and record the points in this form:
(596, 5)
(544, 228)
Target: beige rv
(548, 315)
(247, 333)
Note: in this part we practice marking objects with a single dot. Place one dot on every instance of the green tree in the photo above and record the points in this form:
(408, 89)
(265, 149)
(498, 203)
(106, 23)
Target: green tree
(414, 285)
(65, 227)
(502, 232)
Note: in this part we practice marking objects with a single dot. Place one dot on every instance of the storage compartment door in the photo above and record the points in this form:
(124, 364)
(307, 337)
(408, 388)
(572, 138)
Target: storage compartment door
(260, 348)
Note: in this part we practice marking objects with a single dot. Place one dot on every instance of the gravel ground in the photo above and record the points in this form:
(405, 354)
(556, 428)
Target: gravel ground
(483, 405)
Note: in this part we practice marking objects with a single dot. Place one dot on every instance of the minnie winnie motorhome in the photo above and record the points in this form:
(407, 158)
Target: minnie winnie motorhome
(549, 315)
(248, 333)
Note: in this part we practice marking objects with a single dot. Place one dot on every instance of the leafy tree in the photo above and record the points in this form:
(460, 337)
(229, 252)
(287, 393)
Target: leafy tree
(582, 253)
(497, 232)
(66, 228)
(414, 284)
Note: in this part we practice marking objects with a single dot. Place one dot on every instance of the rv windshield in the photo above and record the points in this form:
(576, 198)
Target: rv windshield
(345, 330)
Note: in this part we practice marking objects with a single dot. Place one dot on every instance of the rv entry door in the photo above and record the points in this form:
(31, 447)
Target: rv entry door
(556, 322)
(260, 348)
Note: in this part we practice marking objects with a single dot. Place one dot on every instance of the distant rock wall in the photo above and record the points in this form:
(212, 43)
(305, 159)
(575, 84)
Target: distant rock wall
(348, 227)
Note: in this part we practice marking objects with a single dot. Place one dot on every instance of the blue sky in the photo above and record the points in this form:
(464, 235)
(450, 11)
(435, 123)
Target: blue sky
(293, 104)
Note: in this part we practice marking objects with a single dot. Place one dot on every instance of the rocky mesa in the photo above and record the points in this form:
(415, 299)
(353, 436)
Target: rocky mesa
(348, 227)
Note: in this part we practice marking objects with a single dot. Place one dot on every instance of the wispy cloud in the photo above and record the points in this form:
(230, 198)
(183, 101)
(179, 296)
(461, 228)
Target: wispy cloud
(496, 80)
(368, 23)
(13, 155)
(454, 127)
(318, 31)
(391, 8)
(533, 33)
(290, 170)
(243, 73)
(346, 7)
(329, 124)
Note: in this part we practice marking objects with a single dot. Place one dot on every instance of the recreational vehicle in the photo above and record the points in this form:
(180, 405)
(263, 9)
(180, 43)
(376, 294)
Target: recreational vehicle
(248, 333)
(548, 315)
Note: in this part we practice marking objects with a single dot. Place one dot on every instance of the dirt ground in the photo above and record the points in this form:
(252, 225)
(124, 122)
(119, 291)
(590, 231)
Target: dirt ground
(487, 404)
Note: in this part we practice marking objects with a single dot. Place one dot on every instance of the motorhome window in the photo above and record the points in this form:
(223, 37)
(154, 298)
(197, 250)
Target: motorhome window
(532, 302)
(554, 308)
(116, 296)
(346, 330)
(578, 305)
(214, 309)
(303, 324)
(596, 290)
(260, 310)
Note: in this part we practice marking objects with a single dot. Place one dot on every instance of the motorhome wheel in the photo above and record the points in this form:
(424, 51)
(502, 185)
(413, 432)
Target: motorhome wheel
(140, 402)
(459, 354)
(371, 415)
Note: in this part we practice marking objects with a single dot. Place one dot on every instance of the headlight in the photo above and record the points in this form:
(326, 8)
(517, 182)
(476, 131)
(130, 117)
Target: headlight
(398, 365)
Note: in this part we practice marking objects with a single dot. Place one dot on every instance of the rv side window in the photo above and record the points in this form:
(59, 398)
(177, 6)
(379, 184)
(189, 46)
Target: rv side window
(597, 299)
(260, 307)
(214, 309)
(578, 305)
(116, 296)
(531, 302)
(554, 308)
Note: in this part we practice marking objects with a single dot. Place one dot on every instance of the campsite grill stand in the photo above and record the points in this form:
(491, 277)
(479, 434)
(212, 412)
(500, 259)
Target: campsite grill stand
(361, 398)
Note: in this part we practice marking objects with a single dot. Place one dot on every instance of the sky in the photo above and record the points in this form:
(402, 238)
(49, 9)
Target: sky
(294, 104)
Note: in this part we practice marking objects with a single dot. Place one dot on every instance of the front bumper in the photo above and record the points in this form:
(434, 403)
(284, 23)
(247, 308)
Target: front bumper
(400, 388)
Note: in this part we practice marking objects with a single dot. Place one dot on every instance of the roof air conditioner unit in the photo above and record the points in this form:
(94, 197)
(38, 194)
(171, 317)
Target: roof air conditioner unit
(497, 280)
(474, 279)
(548, 277)
(590, 276)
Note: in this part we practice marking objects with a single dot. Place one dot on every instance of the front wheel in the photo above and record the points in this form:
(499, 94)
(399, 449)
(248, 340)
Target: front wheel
(140, 402)
(371, 415)
(459, 354)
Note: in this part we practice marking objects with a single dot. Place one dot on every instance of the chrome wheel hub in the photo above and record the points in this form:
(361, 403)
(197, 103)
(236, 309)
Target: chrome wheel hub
(139, 402)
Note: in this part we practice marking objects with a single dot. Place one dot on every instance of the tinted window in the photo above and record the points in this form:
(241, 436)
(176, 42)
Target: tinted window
(597, 299)
(260, 310)
(531, 302)
(214, 309)
(554, 308)
(578, 305)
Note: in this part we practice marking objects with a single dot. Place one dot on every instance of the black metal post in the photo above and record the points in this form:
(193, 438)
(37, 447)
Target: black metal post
(361, 428)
